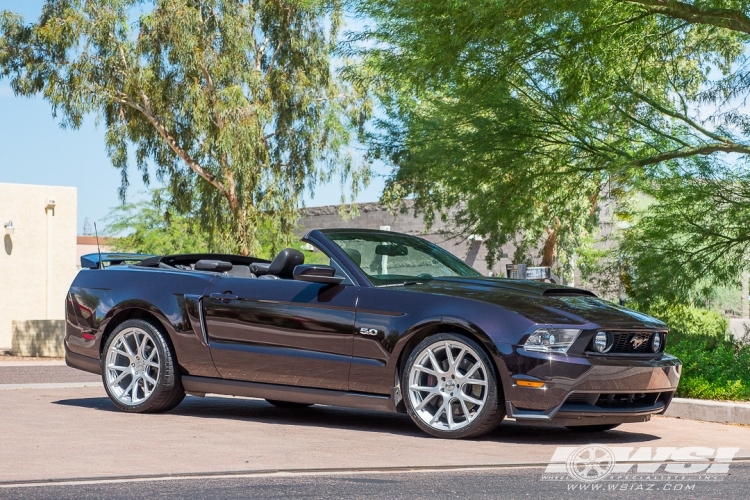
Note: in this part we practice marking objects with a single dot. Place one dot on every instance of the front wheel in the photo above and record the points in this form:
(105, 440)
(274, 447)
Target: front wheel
(139, 369)
(450, 388)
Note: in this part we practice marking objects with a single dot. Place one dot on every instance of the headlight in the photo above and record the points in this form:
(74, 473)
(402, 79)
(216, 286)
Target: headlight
(551, 340)
(656, 342)
(602, 342)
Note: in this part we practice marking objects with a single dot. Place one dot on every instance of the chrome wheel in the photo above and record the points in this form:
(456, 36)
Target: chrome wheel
(132, 366)
(448, 385)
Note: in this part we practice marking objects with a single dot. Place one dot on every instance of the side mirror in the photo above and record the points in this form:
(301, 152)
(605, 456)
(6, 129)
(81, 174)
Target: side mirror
(317, 273)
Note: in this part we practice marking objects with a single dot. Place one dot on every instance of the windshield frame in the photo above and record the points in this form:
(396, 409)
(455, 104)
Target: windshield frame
(447, 259)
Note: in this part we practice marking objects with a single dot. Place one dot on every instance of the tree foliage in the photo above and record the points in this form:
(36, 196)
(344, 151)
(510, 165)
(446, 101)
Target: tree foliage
(692, 237)
(234, 102)
(154, 228)
(522, 117)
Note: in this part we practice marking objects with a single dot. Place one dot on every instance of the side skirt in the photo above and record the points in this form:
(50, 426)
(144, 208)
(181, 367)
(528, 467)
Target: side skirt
(365, 401)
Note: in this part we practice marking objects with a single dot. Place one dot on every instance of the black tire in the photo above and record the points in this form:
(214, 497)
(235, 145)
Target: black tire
(287, 404)
(491, 412)
(168, 391)
(592, 428)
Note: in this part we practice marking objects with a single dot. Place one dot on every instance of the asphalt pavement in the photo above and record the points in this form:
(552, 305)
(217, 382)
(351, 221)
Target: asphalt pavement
(511, 483)
(62, 440)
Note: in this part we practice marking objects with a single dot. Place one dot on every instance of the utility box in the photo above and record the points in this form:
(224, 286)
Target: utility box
(524, 272)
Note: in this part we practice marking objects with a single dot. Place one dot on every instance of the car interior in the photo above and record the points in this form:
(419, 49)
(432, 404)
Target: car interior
(281, 267)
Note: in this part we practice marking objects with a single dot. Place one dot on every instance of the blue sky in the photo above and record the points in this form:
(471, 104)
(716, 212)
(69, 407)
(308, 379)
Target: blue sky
(35, 150)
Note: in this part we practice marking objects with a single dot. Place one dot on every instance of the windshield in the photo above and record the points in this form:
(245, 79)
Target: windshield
(396, 258)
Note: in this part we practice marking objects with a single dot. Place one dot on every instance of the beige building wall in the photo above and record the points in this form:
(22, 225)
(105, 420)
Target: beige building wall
(37, 261)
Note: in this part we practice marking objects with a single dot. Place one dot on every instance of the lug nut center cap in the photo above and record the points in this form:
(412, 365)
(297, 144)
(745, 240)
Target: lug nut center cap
(450, 385)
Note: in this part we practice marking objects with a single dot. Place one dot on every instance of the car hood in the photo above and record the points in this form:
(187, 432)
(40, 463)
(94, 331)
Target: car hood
(545, 303)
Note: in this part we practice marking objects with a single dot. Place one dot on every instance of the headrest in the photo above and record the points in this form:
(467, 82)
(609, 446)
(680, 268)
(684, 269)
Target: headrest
(284, 263)
(219, 266)
(355, 255)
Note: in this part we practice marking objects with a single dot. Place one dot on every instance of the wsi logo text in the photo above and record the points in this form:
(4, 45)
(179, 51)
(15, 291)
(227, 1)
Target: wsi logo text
(597, 462)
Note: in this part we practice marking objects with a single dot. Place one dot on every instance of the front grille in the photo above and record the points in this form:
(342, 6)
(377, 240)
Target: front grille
(627, 400)
(619, 401)
(626, 343)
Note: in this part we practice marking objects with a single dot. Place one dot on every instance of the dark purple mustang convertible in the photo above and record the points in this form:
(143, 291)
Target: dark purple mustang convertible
(384, 321)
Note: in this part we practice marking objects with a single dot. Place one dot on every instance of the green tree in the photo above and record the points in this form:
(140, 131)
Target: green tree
(234, 102)
(154, 228)
(519, 118)
(692, 237)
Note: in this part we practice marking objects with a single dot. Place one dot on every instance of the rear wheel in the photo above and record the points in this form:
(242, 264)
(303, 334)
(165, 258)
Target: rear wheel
(287, 404)
(139, 369)
(450, 389)
(592, 428)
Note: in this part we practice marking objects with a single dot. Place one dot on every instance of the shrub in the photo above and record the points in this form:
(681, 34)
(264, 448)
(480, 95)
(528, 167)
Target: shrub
(714, 365)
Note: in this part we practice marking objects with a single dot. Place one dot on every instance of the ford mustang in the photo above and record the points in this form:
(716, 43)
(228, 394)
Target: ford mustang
(375, 320)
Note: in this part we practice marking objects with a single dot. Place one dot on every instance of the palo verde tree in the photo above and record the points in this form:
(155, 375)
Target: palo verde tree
(234, 102)
(519, 118)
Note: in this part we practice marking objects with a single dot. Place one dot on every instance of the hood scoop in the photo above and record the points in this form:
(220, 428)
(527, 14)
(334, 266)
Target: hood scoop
(567, 292)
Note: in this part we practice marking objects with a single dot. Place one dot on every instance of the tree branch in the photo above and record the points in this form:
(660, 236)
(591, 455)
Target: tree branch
(730, 19)
(685, 153)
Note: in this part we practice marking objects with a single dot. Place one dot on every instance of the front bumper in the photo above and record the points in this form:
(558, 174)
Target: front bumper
(589, 390)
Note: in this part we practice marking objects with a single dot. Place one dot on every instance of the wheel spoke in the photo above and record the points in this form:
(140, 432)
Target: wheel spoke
(129, 388)
(426, 370)
(458, 360)
(134, 393)
(138, 344)
(128, 348)
(121, 352)
(467, 415)
(426, 400)
(153, 353)
(473, 381)
(119, 378)
(152, 364)
(439, 412)
(449, 415)
(449, 355)
(423, 388)
(470, 399)
(473, 369)
(118, 368)
(435, 364)
(146, 377)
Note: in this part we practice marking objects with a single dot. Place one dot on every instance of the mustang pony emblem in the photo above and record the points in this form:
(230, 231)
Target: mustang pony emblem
(638, 341)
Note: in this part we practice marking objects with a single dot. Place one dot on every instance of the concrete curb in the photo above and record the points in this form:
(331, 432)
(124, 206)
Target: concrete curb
(709, 411)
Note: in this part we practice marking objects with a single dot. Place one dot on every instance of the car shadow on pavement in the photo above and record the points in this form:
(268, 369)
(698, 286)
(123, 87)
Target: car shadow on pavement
(258, 410)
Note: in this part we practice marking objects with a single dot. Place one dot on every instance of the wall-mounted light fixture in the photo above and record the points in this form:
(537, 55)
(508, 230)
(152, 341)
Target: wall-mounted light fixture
(9, 229)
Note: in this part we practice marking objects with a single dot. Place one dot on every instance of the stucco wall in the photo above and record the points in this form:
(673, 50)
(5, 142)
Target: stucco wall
(37, 261)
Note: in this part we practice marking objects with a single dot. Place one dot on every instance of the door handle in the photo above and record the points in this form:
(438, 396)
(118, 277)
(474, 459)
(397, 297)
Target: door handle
(224, 297)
